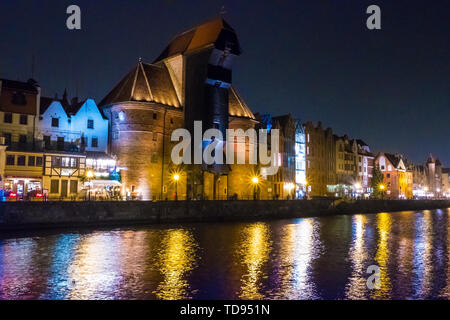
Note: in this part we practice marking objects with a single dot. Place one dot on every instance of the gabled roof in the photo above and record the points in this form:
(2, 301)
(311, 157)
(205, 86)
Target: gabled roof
(216, 32)
(361, 143)
(145, 83)
(45, 103)
(394, 159)
(72, 109)
(237, 106)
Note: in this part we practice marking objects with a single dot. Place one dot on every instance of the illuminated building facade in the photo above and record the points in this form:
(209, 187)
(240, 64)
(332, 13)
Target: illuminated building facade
(300, 160)
(190, 81)
(433, 169)
(398, 180)
(320, 159)
(19, 112)
(79, 126)
(354, 167)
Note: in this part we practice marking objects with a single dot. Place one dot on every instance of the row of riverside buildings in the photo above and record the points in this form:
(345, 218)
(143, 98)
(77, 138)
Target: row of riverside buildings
(65, 149)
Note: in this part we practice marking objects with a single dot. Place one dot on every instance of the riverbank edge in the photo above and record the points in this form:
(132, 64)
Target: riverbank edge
(52, 215)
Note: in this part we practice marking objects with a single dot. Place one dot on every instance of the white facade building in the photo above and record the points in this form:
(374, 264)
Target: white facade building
(80, 126)
(300, 160)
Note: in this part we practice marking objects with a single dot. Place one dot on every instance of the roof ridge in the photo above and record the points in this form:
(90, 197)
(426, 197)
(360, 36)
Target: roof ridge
(146, 81)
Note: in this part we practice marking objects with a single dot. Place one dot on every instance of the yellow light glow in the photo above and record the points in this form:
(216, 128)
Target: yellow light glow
(255, 180)
(357, 186)
(90, 174)
(382, 187)
(176, 177)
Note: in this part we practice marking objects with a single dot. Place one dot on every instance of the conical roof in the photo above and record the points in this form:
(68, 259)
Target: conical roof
(145, 83)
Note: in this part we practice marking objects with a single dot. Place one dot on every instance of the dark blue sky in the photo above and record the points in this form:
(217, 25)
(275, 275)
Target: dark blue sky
(314, 58)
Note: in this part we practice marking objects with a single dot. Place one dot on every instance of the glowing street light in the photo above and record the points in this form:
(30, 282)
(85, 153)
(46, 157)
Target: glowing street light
(89, 176)
(382, 187)
(176, 177)
(255, 181)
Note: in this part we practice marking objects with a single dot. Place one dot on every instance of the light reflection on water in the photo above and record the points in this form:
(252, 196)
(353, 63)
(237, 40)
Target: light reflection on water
(313, 258)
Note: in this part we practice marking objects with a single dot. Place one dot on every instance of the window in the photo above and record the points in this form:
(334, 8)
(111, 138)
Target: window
(73, 186)
(22, 139)
(21, 160)
(65, 162)
(7, 118)
(54, 186)
(388, 175)
(115, 135)
(154, 136)
(23, 119)
(31, 161)
(19, 98)
(7, 138)
(171, 120)
(90, 124)
(389, 168)
(47, 142)
(94, 143)
(155, 115)
(73, 162)
(55, 122)
(39, 161)
(60, 143)
(10, 160)
(56, 162)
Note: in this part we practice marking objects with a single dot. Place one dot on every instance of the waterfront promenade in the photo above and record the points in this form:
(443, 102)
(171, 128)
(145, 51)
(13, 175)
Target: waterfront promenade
(42, 215)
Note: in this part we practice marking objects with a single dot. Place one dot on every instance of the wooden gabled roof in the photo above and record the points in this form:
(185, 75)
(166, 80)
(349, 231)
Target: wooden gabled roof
(216, 32)
(145, 83)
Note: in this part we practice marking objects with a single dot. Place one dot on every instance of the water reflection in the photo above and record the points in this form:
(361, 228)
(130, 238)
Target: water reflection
(16, 274)
(445, 293)
(253, 254)
(95, 272)
(422, 255)
(175, 261)
(357, 288)
(63, 253)
(384, 223)
(294, 259)
(299, 246)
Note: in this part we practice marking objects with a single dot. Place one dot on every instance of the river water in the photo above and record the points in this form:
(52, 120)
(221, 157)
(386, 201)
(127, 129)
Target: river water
(310, 258)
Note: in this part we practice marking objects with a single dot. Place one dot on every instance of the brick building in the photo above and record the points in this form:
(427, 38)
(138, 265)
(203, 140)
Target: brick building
(190, 81)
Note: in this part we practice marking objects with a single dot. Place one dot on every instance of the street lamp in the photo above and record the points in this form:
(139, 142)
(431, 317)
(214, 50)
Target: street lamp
(176, 177)
(89, 175)
(357, 188)
(382, 187)
(255, 181)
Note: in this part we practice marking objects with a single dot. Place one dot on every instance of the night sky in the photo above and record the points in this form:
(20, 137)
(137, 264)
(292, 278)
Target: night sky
(314, 59)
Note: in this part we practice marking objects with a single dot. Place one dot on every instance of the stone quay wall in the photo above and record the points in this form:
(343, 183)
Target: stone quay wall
(41, 215)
